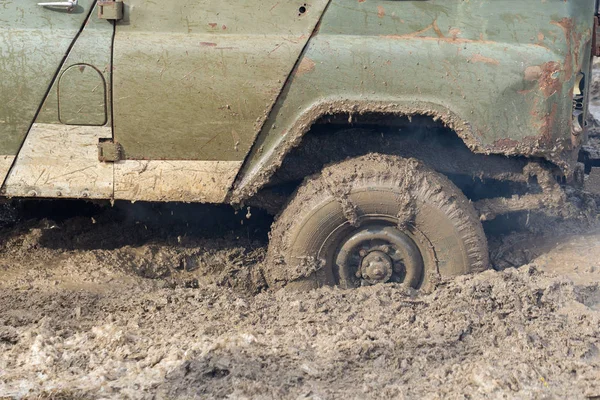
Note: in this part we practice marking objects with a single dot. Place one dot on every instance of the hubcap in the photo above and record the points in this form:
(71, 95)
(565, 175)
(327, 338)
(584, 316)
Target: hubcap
(377, 267)
(379, 254)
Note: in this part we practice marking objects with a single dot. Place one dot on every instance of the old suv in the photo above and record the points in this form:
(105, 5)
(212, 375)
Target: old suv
(382, 132)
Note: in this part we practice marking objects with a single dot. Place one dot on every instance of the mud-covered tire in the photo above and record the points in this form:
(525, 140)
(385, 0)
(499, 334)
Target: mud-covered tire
(422, 205)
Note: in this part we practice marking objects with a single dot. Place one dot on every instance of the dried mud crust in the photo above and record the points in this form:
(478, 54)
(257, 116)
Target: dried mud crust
(426, 204)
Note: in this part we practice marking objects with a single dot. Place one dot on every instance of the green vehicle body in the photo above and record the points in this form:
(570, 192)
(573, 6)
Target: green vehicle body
(201, 100)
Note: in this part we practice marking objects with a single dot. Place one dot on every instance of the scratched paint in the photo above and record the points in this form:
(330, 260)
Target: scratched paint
(33, 42)
(188, 181)
(61, 161)
(195, 80)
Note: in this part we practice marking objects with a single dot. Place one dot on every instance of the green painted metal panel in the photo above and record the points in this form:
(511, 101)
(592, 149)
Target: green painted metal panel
(82, 96)
(505, 70)
(33, 42)
(195, 79)
(85, 93)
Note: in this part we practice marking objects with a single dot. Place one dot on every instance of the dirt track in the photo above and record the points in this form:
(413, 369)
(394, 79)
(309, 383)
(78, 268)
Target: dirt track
(115, 304)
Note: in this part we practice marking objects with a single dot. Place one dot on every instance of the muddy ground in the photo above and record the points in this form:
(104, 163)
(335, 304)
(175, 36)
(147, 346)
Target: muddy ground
(167, 302)
(147, 301)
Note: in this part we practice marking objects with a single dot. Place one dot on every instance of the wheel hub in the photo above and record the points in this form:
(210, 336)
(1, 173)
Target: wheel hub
(379, 254)
(377, 267)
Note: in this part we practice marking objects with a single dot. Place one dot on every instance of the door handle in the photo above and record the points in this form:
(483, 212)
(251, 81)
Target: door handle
(60, 4)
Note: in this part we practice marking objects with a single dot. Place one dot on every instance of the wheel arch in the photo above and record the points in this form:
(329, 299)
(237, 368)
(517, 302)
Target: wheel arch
(260, 165)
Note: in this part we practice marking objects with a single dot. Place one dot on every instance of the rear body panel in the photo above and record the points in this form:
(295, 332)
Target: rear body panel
(501, 73)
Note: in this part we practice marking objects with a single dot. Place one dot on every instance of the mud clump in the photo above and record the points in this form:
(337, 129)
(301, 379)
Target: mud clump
(231, 267)
(595, 84)
(594, 96)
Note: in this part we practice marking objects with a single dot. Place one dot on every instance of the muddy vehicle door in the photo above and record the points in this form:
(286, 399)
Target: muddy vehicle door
(193, 82)
(35, 37)
(55, 66)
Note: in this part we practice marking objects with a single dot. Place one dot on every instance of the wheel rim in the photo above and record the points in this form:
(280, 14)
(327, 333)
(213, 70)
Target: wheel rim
(378, 254)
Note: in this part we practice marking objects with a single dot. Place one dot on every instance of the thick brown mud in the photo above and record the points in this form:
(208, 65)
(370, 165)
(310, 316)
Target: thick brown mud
(165, 302)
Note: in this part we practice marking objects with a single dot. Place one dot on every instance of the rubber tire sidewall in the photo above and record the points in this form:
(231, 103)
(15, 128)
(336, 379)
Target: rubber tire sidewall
(445, 226)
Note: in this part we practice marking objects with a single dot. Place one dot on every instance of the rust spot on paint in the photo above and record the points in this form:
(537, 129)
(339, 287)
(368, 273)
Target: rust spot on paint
(478, 58)
(454, 32)
(213, 25)
(567, 24)
(505, 143)
(436, 29)
(548, 123)
(208, 44)
(544, 120)
(547, 75)
(306, 65)
(380, 12)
